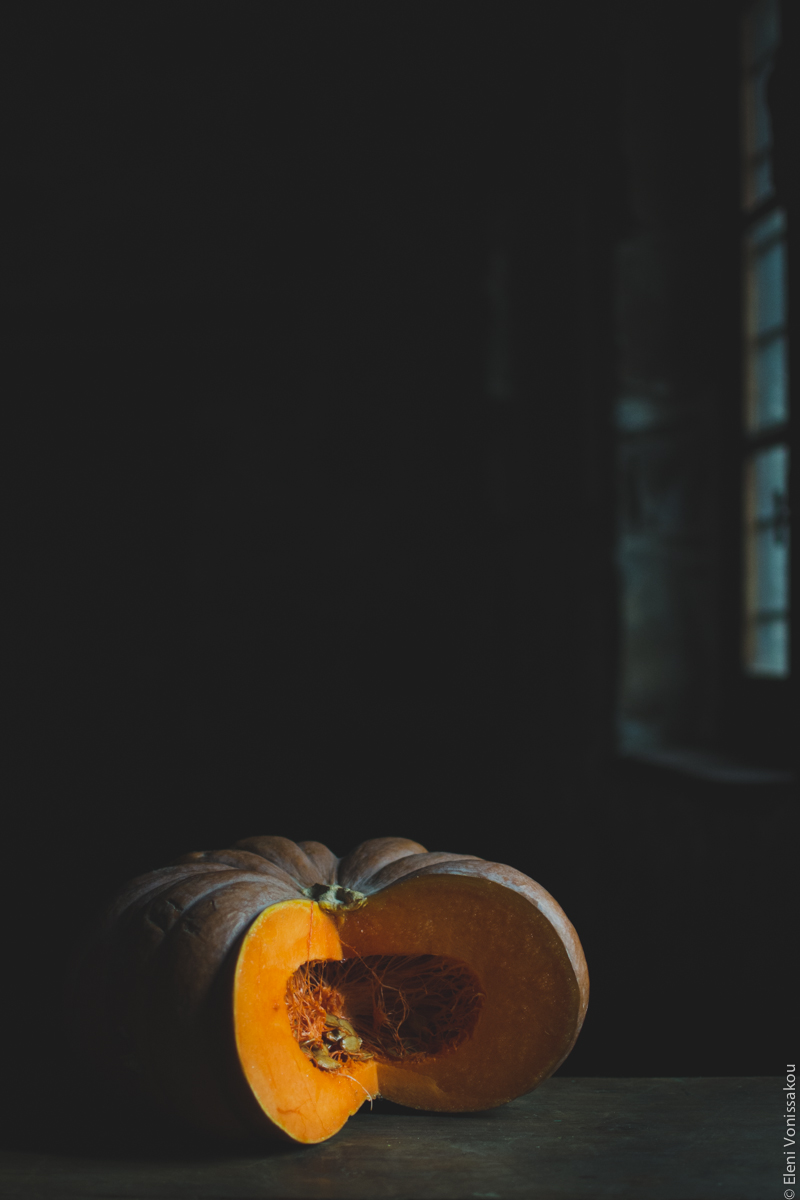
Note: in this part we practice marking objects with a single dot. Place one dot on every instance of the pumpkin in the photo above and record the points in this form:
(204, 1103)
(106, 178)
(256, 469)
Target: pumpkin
(274, 988)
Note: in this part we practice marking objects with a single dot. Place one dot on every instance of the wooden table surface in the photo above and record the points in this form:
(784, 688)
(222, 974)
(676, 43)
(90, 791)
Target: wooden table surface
(648, 1139)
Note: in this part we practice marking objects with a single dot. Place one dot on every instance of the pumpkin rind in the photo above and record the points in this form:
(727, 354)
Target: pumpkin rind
(151, 988)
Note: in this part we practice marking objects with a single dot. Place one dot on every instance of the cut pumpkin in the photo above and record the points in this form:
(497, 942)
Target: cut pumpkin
(278, 998)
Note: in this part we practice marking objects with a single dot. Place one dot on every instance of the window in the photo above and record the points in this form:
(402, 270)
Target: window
(704, 334)
(765, 466)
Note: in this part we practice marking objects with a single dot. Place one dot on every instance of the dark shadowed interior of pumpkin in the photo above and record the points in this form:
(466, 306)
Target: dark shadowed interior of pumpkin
(443, 992)
(394, 1008)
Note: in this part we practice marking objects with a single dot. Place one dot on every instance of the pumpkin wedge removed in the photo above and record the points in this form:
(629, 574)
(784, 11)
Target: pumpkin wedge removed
(281, 995)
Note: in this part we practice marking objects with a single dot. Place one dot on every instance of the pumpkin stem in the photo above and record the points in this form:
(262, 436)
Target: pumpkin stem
(332, 898)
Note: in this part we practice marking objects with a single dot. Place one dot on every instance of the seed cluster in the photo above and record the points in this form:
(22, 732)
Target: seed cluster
(341, 1044)
(316, 1016)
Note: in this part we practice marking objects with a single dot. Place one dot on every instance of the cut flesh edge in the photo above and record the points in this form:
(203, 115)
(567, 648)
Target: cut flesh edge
(525, 1010)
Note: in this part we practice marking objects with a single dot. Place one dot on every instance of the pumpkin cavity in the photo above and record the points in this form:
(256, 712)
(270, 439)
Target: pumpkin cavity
(393, 1008)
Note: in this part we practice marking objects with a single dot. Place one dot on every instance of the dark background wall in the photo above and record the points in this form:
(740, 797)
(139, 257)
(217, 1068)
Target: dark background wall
(318, 353)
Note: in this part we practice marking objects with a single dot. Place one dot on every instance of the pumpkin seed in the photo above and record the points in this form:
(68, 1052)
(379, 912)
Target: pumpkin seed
(339, 1023)
(324, 1060)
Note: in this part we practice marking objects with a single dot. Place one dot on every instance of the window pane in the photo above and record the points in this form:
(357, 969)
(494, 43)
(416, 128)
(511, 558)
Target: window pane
(758, 128)
(769, 227)
(759, 184)
(761, 30)
(766, 352)
(771, 479)
(767, 561)
(765, 281)
(768, 286)
(769, 400)
(772, 571)
(770, 643)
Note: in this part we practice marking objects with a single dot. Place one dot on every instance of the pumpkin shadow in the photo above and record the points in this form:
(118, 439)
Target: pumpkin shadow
(81, 1129)
(388, 1108)
(150, 1145)
(52, 1125)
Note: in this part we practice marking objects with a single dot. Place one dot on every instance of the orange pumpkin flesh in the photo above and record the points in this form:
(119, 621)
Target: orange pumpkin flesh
(272, 988)
(523, 1017)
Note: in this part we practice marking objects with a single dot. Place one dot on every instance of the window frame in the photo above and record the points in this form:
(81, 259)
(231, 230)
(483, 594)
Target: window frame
(758, 708)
